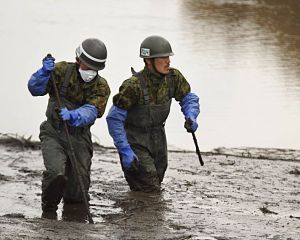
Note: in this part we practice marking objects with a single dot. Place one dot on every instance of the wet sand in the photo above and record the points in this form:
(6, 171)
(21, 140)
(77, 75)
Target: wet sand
(242, 193)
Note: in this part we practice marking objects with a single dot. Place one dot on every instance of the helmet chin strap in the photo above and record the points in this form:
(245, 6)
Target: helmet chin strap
(155, 69)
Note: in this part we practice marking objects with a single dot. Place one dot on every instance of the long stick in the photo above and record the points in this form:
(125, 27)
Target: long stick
(197, 149)
(73, 157)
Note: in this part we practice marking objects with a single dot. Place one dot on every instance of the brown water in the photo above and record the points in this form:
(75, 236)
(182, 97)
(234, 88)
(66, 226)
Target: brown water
(240, 56)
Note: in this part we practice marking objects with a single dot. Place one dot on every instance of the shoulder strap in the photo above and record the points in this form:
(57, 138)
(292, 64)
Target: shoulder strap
(171, 85)
(133, 71)
(65, 84)
(141, 78)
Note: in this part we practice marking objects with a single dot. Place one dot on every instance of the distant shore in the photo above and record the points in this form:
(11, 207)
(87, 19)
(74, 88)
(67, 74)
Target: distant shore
(16, 140)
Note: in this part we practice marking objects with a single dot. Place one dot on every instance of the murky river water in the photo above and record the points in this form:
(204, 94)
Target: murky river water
(240, 56)
(237, 194)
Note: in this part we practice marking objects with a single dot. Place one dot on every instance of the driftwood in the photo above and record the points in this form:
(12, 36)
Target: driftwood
(14, 140)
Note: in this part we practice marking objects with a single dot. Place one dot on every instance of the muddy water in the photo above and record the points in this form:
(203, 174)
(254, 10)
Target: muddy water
(240, 56)
(234, 196)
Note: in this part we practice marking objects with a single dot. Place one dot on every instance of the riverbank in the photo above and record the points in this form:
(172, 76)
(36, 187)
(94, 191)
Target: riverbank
(244, 193)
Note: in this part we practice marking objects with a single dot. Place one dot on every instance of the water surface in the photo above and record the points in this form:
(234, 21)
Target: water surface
(240, 57)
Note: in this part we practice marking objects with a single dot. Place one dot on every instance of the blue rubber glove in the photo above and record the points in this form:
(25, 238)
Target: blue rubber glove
(127, 157)
(79, 117)
(65, 114)
(37, 84)
(190, 108)
(48, 64)
(191, 125)
(115, 121)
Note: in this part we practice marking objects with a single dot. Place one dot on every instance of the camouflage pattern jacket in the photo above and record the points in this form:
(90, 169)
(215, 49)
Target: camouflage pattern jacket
(79, 92)
(131, 93)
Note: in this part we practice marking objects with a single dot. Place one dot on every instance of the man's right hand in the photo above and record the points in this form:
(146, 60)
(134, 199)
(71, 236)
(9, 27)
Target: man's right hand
(127, 157)
(48, 64)
(38, 82)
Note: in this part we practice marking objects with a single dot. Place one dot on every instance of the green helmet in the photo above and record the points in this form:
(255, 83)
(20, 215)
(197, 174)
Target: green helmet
(92, 52)
(155, 46)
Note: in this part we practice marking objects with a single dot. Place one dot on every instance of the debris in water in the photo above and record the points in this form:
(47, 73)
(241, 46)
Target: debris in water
(295, 172)
(14, 215)
(267, 211)
(20, 141)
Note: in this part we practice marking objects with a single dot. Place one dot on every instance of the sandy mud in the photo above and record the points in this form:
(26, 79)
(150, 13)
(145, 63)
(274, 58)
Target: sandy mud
(238, 194)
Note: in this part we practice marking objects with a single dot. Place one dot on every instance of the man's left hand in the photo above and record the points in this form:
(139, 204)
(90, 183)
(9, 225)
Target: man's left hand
(191, 125)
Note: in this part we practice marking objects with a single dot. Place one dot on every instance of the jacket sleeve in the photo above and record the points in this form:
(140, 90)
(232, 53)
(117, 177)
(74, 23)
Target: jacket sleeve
(115, 122)
(190, 106)
(83, 116)
(37, 83)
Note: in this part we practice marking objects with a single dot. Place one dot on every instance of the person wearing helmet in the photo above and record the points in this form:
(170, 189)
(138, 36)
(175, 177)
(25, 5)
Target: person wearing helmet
(140, 109)
(83, 94)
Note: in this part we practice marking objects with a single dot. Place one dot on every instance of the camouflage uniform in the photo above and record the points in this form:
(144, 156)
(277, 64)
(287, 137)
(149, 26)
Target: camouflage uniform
(59, 179)
(147, 98)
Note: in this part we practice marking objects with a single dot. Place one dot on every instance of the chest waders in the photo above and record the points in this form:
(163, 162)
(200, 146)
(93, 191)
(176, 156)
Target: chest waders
(146, 135)
(59, 179)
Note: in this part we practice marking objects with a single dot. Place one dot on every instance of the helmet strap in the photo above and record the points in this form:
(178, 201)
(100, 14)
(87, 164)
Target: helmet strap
(152, 60)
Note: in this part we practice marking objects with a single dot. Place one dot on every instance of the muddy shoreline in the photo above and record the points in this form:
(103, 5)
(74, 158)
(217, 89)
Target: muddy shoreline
(245, 193)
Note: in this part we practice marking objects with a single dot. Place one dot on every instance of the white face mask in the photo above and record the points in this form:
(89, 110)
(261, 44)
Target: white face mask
(87, 75)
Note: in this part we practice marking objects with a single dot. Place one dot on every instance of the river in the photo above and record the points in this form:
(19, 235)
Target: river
(240, 57)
